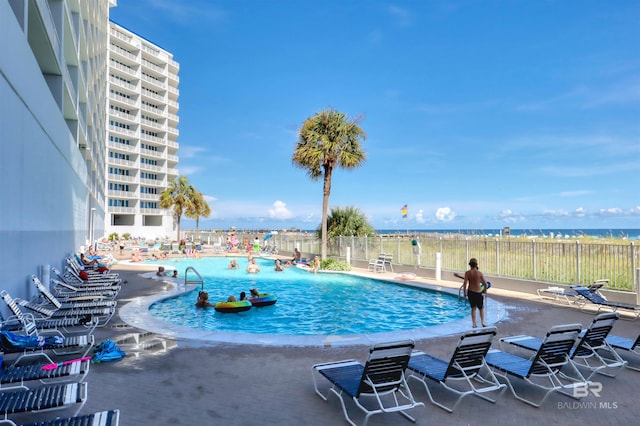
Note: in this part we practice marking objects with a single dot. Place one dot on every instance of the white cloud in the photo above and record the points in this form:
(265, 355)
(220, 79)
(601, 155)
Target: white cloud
(509, 216)
(580, 212)
(280, 211)
(635, 210)
(613, 211)
(420, 216)
(557, 213)
(445, 214)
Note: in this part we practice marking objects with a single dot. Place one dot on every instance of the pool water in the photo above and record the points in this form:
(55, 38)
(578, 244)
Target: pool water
(308, 304)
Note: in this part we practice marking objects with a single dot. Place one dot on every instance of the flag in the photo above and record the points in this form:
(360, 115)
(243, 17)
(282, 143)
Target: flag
(404, 211)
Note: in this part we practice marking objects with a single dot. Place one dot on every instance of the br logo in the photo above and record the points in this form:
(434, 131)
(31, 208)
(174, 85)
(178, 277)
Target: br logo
(581, 390)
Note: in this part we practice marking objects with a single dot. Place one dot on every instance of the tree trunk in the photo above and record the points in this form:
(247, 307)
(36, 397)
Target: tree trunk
(325, 207)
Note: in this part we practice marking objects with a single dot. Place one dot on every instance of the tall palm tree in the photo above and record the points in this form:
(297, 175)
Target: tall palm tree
(198, 208)
(327, 140)
(177, 197)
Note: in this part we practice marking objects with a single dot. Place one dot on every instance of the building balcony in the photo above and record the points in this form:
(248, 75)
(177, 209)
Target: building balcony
(151, 168)
(150, 123)
(152, 95)
(127, 210)
(112, 177)
(121, 147)
(152, 139)
(122, 99)
(173, 131)
(154, 81)
(122, 194)
(121, 131)
(173, 144)
(127, 70)
(122, 163)
(119, 35)
(151, 153)
(122, 115)
(159, 183)
(123, 84)
(156, 111)
(150, 197)
(123, 52)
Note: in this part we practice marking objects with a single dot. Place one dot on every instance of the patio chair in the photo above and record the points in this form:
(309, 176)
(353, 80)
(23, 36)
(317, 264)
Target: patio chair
(542, 370)
(66, 291)
(102, 418)
(75, 304)
(559, 294)
(44, 398)
(378, 386)
(31, 323)
(388, 261)
(20, 376)
(100, 314)
(624, 346)
(377, 265)
(592, 350)
(41, 345)
(91, 279)
(81, 285)
(596, 299)
(466, 366)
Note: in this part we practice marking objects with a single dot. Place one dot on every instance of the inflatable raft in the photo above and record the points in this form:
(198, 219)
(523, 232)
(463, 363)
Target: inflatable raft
(264, 299)
(232, 307)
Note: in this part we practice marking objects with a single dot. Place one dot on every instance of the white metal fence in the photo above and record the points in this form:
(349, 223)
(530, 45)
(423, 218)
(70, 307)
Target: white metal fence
(549, 261)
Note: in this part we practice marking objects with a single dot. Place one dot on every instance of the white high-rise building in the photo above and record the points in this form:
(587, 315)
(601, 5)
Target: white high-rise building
(53, 87)
(142, 135)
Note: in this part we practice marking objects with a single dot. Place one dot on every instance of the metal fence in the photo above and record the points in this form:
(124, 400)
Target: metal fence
(549, 261)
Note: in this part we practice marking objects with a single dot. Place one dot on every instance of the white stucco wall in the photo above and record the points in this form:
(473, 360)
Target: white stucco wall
(45, 200)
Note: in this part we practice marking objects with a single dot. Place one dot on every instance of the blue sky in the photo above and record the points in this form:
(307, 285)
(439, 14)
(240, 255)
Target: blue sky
(478, 114)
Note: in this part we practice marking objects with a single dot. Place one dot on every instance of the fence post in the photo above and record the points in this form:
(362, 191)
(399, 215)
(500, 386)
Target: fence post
(398, 248)
(438, 266)
(534, 259)
(497, 257)
(366, 247)
(577, 262)
(466, 253)
(349, 255)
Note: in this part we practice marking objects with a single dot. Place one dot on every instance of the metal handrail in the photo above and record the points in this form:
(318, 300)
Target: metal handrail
(199, 281)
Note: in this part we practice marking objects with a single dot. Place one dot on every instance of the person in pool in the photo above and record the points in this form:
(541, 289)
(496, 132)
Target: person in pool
(233, 264)
(203, 300)
(278, 266)
(253, 267)
(254, 292)
(243, 296)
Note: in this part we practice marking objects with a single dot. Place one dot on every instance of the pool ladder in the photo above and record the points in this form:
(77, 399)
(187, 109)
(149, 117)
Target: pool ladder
(195, 280)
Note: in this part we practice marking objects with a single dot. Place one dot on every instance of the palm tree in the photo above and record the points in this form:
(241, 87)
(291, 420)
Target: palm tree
(347, 221)
(327, 140)
(178, 197)
(198, 208)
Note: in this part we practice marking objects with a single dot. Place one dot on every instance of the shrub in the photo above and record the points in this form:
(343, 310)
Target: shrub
(335, 265)
(113, 237)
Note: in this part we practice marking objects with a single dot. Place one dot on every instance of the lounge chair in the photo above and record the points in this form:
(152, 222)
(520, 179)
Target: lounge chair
(44, 398)
(467, 365)
(378, 386)
(31, 323)
(377, 265)
(598, 300)
(20, 376)
(624, 346)
(75, 304)
(542, 370)
(558, 294)
(102, 418)
(82, 285)
(592, 350)
(66, 291)
(41, 345)
(100, 314)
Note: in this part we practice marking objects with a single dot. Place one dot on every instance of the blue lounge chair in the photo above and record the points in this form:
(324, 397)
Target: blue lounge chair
(103, 418)
(22, 376)
(592, 350)
(598, 300)
(44, 398)
(628, 346)
(542, 370)
(378, 386)
(467, 366)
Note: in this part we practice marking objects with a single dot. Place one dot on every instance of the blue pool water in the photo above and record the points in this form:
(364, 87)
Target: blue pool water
(307, 304)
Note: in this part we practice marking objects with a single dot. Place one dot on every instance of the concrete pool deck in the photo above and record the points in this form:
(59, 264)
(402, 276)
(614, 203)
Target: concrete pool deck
(167, 380)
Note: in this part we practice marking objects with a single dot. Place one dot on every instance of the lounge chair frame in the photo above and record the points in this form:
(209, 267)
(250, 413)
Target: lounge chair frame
(619, 344)
(596, 299)
(542, 370)
(380, 383)
(72, 305)
(467, 368)
(592, 350)
(41, 399)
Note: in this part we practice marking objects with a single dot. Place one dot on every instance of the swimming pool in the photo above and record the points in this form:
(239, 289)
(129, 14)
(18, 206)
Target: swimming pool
(308, 304)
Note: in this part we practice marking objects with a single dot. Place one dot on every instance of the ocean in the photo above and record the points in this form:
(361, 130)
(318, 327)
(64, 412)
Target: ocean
(626, 234)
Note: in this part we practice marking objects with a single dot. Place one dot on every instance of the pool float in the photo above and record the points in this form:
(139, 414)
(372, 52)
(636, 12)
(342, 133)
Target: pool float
(264, 299)
(232, 307)
(407, 276)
